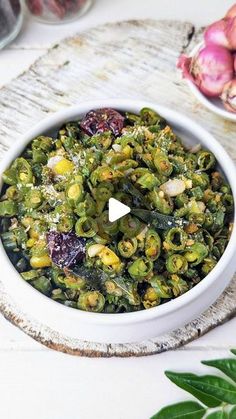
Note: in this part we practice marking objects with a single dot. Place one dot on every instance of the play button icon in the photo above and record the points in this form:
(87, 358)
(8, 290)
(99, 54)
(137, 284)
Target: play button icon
(116, 209)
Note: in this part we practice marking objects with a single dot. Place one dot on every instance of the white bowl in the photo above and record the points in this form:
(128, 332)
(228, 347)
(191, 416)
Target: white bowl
(213, 104)
(135, 326)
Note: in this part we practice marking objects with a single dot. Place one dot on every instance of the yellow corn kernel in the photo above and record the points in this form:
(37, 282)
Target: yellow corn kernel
(33, 234)
(108, 257)
(74, 191)
(117, 266)
(127, 150)
(150, 294)
(40, 261)
(93, 299)
(30, 242)
(23, 176)
(27, 221)
(63, 166)
(166, 246)
(188, 183)
(191, 256)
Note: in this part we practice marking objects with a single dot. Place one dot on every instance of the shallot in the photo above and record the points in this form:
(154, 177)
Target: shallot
(216, 34)
(231, 12)
(95, 249)
(173, 187)
(228, 96)
(230, 32)
(210, 69)
(213, 68)
(55, 9)
(222, 32)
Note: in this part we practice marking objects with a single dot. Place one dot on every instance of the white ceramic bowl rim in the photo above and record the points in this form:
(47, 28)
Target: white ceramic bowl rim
(206, 101)
(133, 106)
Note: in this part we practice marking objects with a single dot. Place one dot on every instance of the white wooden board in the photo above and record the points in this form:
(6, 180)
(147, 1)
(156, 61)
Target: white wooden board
(135, 59)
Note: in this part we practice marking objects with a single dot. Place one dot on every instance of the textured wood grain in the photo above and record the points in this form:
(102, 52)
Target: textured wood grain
(135, 59)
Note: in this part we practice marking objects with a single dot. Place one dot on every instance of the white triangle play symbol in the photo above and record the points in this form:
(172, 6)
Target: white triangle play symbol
(116, 209)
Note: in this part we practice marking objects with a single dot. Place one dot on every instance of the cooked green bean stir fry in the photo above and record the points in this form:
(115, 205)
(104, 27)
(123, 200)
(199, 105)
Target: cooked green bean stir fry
(54, 213)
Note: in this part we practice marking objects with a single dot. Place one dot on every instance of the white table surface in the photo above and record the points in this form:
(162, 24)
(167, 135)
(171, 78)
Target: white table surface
(37, 383)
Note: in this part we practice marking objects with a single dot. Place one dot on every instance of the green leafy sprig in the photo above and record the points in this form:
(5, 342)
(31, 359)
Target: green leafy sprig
(216, 394)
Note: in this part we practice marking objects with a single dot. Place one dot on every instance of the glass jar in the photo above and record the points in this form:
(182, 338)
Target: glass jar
(11, 18)
(57, 11)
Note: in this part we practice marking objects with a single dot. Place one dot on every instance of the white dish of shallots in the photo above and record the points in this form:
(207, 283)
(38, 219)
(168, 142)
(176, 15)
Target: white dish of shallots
(210, 68)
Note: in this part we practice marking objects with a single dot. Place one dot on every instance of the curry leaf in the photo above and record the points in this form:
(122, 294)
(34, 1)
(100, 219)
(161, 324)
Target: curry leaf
(182, 410)
(227, 366)
(209, 389)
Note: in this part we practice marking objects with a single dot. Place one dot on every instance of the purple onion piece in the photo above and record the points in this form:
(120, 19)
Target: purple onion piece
(65, 249)
(101, 120)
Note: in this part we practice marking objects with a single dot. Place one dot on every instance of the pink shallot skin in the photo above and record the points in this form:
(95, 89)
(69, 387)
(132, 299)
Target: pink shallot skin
(232, 11)
(35, 6)
(216, 34)
(184, 64)
(230, 32)
(210, 69)
(222, 32)
(228, 96)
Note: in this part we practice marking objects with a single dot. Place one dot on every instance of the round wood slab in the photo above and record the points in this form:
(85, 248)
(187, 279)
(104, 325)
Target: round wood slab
(134, 59)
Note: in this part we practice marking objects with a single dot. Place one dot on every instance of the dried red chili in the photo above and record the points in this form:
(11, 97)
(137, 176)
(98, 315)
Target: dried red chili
(101, 120)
